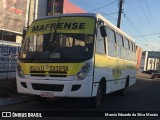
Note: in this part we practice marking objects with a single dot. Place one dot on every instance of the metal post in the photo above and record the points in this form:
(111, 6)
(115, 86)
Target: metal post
(28, 13)
(119, 13)
(35, 9)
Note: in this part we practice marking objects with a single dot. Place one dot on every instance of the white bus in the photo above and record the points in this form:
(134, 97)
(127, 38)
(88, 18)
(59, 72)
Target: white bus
(75, 55)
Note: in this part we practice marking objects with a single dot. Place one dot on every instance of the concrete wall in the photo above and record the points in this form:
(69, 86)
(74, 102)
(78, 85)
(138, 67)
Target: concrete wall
(8, 59)
(40, 8)
(37, 9)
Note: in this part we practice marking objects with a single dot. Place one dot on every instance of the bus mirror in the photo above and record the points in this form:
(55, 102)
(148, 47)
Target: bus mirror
(103, 31)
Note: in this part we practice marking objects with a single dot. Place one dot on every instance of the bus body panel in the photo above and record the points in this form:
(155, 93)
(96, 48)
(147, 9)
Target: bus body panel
(115, 71)
(83, 91)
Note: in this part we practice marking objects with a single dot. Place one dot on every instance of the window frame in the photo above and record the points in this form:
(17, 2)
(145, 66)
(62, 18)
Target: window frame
(113, 41)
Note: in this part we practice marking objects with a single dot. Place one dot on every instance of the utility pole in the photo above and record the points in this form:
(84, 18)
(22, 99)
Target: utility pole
(119, 13)
(28, 13)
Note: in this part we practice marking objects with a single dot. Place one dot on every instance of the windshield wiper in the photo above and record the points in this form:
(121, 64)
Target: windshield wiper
(39, 48)
(54, 36)
(36, 52)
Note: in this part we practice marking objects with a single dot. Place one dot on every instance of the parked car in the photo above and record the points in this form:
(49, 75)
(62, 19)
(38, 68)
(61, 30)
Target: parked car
(148, 72)
(155, 74)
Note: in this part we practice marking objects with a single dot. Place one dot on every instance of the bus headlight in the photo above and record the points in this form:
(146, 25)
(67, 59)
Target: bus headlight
(19, 71)
(82, 74)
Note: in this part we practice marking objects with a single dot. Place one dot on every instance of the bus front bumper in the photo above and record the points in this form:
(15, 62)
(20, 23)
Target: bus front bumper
(58, 88)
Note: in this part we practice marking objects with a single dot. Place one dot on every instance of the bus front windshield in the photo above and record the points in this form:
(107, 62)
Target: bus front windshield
(57, 47)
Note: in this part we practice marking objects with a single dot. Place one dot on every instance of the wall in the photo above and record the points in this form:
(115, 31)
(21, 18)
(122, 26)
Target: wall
(13, 13)
(8, 59)
(148, 63)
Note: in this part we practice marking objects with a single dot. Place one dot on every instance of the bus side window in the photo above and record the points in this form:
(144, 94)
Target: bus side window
(132, 51)
(120, 45)
(112, 48)
(126, 46)
(100, 46)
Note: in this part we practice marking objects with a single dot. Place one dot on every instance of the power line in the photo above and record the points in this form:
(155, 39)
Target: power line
(137, 14)
(132, 1)
(146, 35)
(150, 46)
(105, 3)
(141, 22)
(109, 13)
(82, 4)
(103, 6)
(146, 15)
(151, 15)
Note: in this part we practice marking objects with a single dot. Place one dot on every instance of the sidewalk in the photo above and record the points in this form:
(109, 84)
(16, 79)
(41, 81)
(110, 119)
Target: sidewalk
(9, 95)
(143, 75)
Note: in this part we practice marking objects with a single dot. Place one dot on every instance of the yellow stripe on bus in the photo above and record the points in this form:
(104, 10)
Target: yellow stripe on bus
(117, 65)
(102, 61)
(56, 68)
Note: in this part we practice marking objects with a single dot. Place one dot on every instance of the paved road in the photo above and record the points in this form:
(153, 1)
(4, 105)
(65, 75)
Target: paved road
(143, 96)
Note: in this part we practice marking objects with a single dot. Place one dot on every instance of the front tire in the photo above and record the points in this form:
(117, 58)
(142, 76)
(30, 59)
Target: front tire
(97, 100)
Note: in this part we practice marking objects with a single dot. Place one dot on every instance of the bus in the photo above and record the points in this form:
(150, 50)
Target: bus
(75, 55)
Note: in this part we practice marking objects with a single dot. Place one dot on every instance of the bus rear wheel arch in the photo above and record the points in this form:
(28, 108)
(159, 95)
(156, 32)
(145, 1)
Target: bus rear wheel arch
(123, 91)
(127, 82)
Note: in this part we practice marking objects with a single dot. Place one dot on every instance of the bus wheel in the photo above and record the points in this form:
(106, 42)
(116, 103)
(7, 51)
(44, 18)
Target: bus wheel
(123, 91)
(39, 98)
(97, 100)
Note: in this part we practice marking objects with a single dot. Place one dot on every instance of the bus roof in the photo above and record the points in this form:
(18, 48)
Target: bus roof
(96, 15)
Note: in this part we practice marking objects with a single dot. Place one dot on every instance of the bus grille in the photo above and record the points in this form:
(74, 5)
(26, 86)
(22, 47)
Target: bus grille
(50, 74)
(47, 87)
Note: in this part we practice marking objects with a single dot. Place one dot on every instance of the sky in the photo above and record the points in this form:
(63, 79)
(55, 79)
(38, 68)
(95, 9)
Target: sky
(140, 18)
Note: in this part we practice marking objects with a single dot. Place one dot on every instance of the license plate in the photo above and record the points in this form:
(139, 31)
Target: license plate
(47, 94)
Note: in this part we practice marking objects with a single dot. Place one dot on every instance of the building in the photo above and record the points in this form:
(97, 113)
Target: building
(150, 60)
(17, 14)
(12, 20)
(41, 8)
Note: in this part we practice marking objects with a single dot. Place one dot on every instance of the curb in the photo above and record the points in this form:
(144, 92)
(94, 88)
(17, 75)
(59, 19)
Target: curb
(143, 77)
(17, 100)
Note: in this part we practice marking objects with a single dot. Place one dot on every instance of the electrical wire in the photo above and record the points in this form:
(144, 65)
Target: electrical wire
(103, 6)
(146, 35)
(150, 45)
(151, 15)
(146, 16)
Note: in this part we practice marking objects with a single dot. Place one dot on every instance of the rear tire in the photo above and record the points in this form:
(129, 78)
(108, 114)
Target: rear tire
(123, 91)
